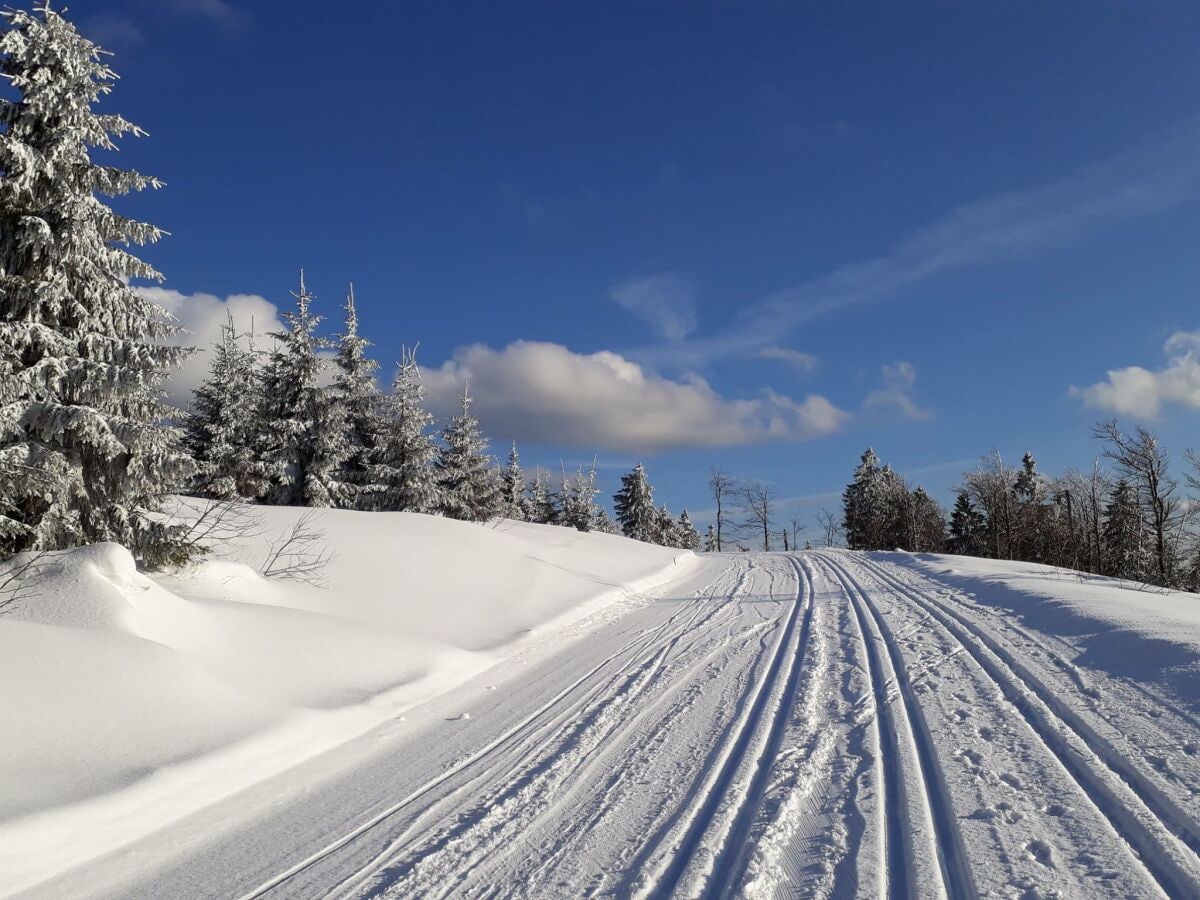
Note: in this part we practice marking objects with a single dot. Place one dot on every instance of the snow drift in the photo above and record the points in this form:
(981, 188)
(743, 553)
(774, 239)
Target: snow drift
(128, 700)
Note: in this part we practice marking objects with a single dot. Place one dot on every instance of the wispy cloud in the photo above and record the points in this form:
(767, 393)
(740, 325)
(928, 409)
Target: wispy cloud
(797, 359)
(666, 302)
(113, 31)
(1156, 174)
(1142, 393)
(895, 396)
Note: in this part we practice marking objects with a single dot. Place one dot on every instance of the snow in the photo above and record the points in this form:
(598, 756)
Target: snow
(501, 712)
(1115, 627)
(128, 700)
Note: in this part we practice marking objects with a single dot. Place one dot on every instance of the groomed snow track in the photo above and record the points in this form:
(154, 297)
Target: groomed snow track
(824, 724)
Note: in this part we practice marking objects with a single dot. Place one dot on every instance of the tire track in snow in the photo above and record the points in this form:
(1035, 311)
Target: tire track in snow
(1168, 854)
(916, 826)
(694, 611)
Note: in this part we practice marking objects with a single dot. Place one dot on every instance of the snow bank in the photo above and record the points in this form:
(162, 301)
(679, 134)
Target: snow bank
(128, 700)
(1117, 627)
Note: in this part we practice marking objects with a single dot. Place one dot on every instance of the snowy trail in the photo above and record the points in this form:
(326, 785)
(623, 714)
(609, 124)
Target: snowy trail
(824, 724)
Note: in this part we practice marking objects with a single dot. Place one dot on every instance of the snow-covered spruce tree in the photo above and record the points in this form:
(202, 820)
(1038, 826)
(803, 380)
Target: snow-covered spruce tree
(402, 466)
(220, 426)
(303, 419)
(710, 540)
(539, 504)
(863, 504)
(470, 488)
(601, 523)
(665, 531)
(577, 506)
(634, 506)
(689, 537)
(512, 488)
(85, 453)
(1126, 538)
(967, 528)
(359, 395)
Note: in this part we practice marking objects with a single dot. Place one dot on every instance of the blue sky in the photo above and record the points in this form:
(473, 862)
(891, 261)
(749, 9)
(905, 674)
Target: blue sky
(790, 230)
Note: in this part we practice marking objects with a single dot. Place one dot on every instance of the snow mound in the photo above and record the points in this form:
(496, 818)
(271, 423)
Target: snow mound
(128, 700)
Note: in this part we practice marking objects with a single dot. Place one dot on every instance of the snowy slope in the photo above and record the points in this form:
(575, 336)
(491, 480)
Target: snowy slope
(827, 724)
(127, 700)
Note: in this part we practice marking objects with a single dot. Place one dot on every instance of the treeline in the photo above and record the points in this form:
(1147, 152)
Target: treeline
(1127, 519)
(88, 446)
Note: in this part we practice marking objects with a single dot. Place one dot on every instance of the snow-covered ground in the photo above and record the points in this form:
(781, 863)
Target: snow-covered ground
(128, 702)
(820, 724)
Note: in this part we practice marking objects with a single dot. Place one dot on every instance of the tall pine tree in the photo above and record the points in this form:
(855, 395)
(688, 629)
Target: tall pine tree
(220, 426)
(303, 420)
(359, 396)
(634, 506)
(402, 465)
(512, 488)
(968, 529)
(1126, 540)
(84, 451)
(470, 488)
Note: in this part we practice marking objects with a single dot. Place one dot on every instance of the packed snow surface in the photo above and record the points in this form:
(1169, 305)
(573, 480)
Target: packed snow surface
(825, 724)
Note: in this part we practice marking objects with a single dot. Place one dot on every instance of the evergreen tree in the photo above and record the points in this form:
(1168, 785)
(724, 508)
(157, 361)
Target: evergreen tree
(634, 506)
(665, 531)
(968, 530)
(601, 523)
(470, 489)
(1031, 513)
(710, 540)
(359, 395)
(512, 488)
(84, 451)
(689, 537)
(304, 420)
(539, 503)
(220, 427)
(863, 502)
(402, 465)
(1126, 543)
(577, 506)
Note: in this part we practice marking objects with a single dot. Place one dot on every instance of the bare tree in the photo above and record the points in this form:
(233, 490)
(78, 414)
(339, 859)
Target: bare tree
(797, 526)
(723, 486)
(301, 554)
(211, 523)
(830, 524)
(759, 498)
(1141, 458)
(991, 486)
(18, 582)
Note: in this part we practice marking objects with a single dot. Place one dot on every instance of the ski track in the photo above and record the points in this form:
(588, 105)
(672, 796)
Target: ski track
(825, 724)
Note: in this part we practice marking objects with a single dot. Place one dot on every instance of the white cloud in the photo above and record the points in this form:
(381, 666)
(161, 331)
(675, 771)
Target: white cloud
(667, 302)
(804, 362)
(203, 315)
(545, 393)
(896, 394)
(1142, 393)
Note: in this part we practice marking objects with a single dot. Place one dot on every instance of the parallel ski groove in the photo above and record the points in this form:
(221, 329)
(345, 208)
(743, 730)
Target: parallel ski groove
(1160, 866)
(952, 864)
(668, 882)
(509, 736)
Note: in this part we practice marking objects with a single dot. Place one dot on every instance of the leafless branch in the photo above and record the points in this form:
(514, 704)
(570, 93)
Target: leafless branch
(301, 554)
(19, 582)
